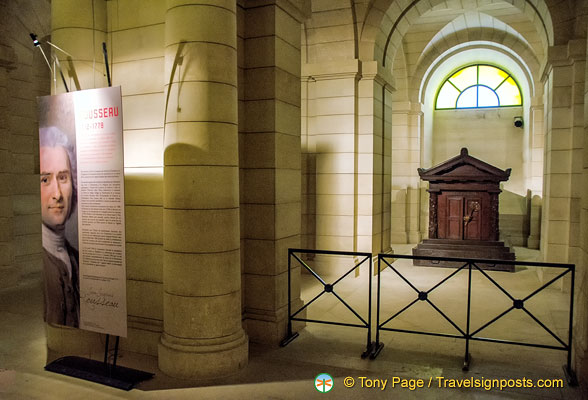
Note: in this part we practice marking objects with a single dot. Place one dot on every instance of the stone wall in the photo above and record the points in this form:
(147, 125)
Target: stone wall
(24, 75)
(135, 41)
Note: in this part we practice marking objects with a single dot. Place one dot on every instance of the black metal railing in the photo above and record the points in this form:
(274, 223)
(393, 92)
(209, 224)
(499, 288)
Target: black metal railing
(467, 333)
(330, 289)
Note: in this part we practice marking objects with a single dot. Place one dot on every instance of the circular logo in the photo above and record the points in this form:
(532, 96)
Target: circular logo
(323, 382)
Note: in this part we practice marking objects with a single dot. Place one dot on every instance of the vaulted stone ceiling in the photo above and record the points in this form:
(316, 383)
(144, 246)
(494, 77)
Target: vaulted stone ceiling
(413, 34)
(423, 29)
(420, 21)
(462, 20)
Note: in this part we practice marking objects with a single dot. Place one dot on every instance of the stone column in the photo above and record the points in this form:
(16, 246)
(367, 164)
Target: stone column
(347, 132)
(7, 59)
(535, 222)
(535, 178)
(581, 317)
(406, 184)
(415, 117)
(564, 80)
(202, 333)
(330, 142)
(79, 27)
(374, 143)
(270, 164)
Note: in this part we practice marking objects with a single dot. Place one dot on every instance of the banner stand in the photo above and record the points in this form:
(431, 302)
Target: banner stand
(79, 367)
(100, 372)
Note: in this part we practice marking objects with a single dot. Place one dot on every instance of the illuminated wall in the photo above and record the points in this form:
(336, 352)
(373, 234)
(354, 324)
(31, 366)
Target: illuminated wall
(369, 72)
(200, 128)
(518, 148)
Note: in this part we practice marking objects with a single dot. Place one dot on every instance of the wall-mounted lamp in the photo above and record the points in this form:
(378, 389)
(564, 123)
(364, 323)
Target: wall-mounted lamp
(36, 42)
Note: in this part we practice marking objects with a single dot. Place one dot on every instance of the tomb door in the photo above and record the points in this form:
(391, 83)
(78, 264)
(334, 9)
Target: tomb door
(460, 216)
(455, 217)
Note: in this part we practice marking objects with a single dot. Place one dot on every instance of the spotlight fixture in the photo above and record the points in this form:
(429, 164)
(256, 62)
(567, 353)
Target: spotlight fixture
(36, 42)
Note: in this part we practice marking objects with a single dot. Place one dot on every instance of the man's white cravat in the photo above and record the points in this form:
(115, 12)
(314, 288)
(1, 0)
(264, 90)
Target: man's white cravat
(54, 243)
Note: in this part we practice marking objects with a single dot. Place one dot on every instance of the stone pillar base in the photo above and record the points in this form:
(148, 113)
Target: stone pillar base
(387, 248)
(203, 358)
(398, 237)
(582, 370)
(266, 329)
(414, 237)
(143, 335)
(546, 274)
(533, 242)
(10, 275)
(270, 328)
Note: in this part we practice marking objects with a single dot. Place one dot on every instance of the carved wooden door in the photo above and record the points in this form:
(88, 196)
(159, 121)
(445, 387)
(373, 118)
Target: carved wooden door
(455, 217)
(460, 216)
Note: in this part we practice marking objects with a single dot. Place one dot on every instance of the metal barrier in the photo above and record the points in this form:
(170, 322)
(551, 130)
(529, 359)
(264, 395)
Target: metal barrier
(467, 334)
(330, 288)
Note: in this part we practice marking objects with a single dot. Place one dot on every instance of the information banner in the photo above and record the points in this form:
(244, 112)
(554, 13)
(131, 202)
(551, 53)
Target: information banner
(82, 201)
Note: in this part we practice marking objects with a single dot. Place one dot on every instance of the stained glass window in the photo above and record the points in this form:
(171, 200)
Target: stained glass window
(479, 86)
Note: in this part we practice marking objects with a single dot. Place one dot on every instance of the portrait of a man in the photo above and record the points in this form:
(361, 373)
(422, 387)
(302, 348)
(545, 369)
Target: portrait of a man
(58, 201)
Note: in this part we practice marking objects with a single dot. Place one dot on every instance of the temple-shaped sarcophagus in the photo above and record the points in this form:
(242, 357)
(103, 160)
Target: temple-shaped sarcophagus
(463, 212)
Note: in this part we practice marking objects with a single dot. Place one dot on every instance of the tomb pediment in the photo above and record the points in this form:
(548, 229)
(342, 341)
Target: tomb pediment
(464, 168)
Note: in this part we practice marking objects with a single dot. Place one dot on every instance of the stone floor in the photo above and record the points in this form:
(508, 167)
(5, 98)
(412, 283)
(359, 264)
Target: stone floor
(289, 372)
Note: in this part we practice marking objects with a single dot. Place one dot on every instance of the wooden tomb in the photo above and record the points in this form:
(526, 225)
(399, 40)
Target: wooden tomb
(463, 212)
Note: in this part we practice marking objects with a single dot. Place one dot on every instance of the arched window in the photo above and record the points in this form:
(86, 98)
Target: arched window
(479, 86)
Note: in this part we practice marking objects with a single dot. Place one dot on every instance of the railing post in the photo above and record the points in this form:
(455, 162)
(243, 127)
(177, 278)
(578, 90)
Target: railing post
(371, 272)
(369, 345)
(378, 304)
(568, 371)
(289, 295)
(466, 362)
(291, 336)
(377, 347)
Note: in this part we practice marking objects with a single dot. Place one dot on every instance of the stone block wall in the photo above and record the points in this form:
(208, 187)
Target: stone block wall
(24, 75)
(136, 31)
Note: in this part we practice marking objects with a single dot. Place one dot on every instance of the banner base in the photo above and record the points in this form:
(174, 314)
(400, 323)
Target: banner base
(96, 371)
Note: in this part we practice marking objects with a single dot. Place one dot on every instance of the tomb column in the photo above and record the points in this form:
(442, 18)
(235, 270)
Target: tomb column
(432, 215)
(494, 233)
